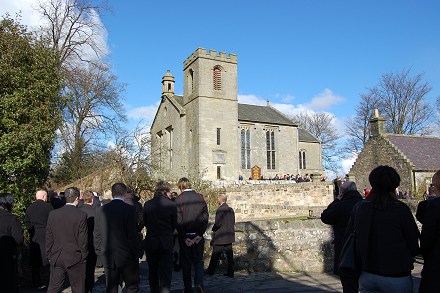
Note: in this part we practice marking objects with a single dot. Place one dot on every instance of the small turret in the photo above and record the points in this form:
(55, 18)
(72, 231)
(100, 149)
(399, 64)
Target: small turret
(168, 83)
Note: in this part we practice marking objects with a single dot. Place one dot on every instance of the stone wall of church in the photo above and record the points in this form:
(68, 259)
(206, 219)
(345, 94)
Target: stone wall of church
(313, 157)
(286, 160)
(280, 245)
(380, 151)
(278, 199)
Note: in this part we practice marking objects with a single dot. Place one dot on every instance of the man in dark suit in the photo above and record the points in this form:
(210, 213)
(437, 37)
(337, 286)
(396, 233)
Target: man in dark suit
(36, 220)
(337, 214)
(66, 244)
(11, 236)
(88, 208)
(116, 241)
(160, 218)
(192, 221)
(224, 236)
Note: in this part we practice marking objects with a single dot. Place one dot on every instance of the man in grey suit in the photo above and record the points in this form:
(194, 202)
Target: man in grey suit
(66, 244)
(116, 241)
(224, 236)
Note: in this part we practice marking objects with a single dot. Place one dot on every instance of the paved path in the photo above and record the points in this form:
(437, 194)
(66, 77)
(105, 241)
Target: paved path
(248, 282)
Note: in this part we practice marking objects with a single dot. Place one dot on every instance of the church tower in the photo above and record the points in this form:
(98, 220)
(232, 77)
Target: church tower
(210, 100)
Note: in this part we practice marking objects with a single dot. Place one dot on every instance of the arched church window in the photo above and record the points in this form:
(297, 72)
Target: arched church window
(245, 148)
(302, 159)
(270, 148)
(217, 78)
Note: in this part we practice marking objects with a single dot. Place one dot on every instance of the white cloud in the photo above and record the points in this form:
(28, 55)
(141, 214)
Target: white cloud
(347, 163)
(324, 100)
(33, 19)
(145, 113)
(251, 100)
(28, 16)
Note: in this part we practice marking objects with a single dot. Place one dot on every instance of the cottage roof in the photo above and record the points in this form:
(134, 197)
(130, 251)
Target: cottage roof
(422, 151)
(305, 136)
(262, 114)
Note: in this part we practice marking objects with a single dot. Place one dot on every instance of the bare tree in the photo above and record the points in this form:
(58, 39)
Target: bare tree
(321, 126)
(93, 111)
(401, 100)
(132, 155)
(357, 127)
(74, 28)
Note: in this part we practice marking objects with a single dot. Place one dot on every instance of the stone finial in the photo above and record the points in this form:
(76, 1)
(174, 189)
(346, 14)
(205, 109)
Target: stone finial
(376, 113)
(377, 125)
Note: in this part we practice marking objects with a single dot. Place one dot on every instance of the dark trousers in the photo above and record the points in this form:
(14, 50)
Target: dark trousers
(75, 273)
(90, 271)
(129, 274)
(160, 265)
(217, 251)
(191, 255)
(8, 273)
(350, 284)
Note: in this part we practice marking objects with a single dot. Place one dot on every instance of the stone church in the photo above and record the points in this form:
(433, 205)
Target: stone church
(416, 158)
(207, 134)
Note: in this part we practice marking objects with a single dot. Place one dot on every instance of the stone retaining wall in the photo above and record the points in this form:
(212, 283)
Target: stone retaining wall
(274, 199)
(281, 245)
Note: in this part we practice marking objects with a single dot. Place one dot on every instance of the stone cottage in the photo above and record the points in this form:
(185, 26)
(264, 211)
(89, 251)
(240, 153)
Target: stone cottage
(416, 158)
(207, 133)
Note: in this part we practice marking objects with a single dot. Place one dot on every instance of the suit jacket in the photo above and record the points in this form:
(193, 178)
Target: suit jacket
(11, 234)
(192, 213)
(160, 218)
(430, 247)
(224, 231)
(115, 235)
(66, 236)
(36, 221)
(91, 213)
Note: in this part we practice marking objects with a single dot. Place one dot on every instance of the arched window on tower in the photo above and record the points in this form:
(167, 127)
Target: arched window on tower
(217, 78)
(191, 81)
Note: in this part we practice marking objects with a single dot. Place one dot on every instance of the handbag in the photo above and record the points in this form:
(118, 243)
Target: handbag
(348, 259)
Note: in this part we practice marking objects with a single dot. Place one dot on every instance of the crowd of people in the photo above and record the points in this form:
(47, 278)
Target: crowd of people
(77, 231)
(298, 178)
(386, 235)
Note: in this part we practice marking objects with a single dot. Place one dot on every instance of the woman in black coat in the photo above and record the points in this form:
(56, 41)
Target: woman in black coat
(11, 236)
(387, 236)
(430, 242)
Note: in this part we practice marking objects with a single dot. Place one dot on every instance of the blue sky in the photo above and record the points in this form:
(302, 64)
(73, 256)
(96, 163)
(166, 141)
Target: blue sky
(301, 55)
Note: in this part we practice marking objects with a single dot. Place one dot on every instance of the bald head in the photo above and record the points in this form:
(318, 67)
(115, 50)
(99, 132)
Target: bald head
(222, 198)
(436, 183)
(41, 194)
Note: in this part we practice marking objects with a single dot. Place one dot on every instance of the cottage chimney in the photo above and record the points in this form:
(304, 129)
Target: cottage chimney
(377, 125)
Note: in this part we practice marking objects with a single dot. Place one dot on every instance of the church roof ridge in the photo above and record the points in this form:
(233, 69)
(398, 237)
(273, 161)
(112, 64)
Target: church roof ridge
(262, 114)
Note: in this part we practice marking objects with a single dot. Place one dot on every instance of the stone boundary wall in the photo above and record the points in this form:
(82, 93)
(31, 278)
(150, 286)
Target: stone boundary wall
(280, 245)
(265, 199)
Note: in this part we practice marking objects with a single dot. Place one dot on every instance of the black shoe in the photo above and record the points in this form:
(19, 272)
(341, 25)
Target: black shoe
(228, 275)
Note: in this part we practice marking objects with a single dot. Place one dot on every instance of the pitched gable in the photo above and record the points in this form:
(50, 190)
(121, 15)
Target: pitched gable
(422, 151)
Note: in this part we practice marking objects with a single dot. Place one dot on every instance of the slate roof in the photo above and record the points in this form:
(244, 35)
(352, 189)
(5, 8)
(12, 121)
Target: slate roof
(422, 151)
(305, 136)
(262, 114)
